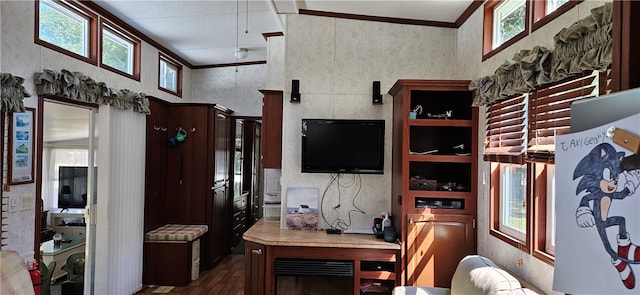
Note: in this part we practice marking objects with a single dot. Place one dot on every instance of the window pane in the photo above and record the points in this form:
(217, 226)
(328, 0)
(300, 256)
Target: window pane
(168, 76)
(508, 20)
(63, 28)
(513, 213)
(552, 5)
(117, 52)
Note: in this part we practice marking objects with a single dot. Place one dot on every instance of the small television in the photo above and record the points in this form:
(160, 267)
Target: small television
(72, 186)
(343, 146)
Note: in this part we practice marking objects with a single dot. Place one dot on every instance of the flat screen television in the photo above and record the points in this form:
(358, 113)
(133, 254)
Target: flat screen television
(72, 186)
(343, 146)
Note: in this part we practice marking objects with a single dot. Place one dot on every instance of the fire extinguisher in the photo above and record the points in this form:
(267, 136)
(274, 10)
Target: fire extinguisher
(35, 276)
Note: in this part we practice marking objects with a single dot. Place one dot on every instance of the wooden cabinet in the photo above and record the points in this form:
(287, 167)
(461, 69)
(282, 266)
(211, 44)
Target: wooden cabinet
(216, 243)
(434, 176)
(156, 165)
(435, 244)
(272, 129)
(70, 224)
(254, 268)
(187, 182)
(252, 176)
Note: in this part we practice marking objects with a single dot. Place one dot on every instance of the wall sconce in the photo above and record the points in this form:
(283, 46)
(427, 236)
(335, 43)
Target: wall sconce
(376, 97)
(295, 91)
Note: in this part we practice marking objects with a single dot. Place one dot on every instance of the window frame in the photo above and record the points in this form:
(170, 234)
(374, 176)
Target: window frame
(165, 58)
(495, 206)
(487, 38)
(91, 39)
(540, 16)
(128, 37)
(542, 190)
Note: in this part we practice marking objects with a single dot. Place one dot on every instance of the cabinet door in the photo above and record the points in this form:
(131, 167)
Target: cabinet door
(186, 166)
(222, 146)
(435, 245)
(254, 268)
(272, 129)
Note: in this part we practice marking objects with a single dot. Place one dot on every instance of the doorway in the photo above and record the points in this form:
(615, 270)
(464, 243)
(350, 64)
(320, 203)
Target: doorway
(68, 173)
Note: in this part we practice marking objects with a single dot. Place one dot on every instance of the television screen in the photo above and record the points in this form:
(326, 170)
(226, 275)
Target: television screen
(343, 146)
(72, 187)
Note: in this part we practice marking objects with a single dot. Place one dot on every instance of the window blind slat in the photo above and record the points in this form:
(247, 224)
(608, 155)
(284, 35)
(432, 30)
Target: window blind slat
(550, 113)
(506, 130)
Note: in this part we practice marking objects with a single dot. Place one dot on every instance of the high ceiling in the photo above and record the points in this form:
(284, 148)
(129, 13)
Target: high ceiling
(203, 33)
(207, 32)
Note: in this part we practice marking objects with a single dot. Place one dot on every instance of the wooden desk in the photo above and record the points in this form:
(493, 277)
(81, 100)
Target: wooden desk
(265, 242)
(59, 254)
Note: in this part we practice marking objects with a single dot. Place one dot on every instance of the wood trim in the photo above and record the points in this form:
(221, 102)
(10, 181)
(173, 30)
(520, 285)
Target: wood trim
(624, 45)
(468, 12)
(266, 36)
(178, 92)
(38, 170)
(540, 18)
(539, 214)
(494, 193)
(92, 57)
(235, 64)
(394, 20)
(487, 36)
(124, 25)
(106, 24)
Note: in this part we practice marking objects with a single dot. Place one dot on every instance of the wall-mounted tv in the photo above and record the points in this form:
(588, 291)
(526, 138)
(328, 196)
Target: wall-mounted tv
(343, 146)
(72, 186)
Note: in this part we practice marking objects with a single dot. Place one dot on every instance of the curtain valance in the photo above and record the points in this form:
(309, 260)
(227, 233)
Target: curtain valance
(12, 93)
(80, 87)
(585, 45)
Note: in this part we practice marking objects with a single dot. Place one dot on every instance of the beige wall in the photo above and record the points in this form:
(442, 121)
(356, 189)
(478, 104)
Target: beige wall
(336, 61)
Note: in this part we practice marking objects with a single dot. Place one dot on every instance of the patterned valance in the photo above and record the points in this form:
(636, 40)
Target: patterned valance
(585, 45)
(12, 93)
(80, 87)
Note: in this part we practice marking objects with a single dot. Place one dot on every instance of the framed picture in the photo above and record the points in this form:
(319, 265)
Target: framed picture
(21, 144)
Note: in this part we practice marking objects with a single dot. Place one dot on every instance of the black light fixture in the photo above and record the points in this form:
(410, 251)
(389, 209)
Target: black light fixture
(376, 96)
(295, 91)
(65, 192)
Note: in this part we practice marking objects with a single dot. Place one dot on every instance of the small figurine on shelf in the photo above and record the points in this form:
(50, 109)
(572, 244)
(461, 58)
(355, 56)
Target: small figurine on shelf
(415, 112)
(445, 115)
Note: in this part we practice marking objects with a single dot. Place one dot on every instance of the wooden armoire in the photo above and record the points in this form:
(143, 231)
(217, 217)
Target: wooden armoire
(187, 182)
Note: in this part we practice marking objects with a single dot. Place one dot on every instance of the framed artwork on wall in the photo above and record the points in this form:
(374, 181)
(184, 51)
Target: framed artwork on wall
(21, 145)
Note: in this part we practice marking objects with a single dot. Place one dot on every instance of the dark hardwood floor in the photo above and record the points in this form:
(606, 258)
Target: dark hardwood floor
(225, 278)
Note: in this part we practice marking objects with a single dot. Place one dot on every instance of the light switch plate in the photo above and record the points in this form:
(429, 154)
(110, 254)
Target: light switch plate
(13, 204)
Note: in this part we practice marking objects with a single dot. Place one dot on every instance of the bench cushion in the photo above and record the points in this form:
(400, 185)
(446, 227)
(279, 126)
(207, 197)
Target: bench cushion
(176, 232)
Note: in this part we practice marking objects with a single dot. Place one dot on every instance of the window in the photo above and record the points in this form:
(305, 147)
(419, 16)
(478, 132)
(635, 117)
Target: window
(505, 149)
(552, 5)
(513, 197)
(545, 11)
(505, 22)
(120, 51)
(523, 178)
(508, 21)
(170, 77)
(67, 28)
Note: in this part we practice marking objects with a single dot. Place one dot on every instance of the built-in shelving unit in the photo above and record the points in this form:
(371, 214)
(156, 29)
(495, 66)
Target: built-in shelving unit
(434, 182)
